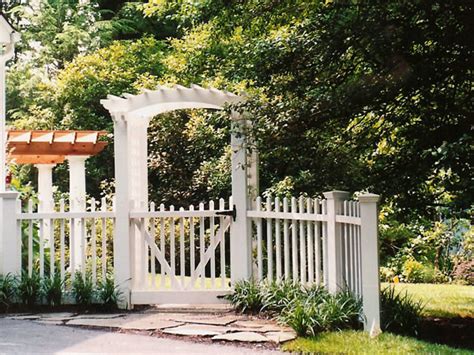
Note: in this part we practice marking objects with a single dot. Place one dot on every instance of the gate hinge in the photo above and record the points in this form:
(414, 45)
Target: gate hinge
(232, 212)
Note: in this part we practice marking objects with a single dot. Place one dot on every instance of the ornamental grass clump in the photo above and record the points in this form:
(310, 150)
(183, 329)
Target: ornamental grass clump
(29, 288)
(52, 289)
(247, 296)
(108, 294)
(319, 311)
(83, 289)
(7, 291)
(400, 313)
(276, 296)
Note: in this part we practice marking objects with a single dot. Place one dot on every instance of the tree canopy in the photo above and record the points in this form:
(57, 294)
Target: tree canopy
(348, 95)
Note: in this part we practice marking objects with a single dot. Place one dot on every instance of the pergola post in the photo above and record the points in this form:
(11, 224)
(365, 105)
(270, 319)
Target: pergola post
(45, 195)
(45, 187)
(241, 243)
(77, 201)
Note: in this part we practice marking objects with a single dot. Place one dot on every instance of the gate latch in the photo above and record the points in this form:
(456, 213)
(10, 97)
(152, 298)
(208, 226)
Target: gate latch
(232, 212)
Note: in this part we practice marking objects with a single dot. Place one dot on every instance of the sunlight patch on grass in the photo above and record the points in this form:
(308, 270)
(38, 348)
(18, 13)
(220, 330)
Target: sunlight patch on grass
(357, 342)
(165, 283)
(441, 300)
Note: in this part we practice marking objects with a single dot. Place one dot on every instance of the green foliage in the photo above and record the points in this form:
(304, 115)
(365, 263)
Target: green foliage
(7, 290)
(29, 288)
(307, 310)
(52, 289)
(246, 296)
(83, 289)
(400, 313)
(108, 294)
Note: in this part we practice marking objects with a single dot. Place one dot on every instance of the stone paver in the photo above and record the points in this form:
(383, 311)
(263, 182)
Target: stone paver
(197, 330)
(96, 322)
(100, 316)
(212, 319)
(280, 337)
(149, 324)
(257, 326)
(248, 337)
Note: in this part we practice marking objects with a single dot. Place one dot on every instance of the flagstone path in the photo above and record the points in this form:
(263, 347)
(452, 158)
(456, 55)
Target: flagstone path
(216, 326)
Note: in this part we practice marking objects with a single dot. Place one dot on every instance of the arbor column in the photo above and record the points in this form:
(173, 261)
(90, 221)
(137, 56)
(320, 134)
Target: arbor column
(241, 243)
(77, 203)
(122, 239)
(138, 185)
(335, 201)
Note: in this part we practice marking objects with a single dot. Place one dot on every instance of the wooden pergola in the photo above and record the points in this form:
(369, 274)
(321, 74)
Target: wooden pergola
(52, 147)
(45, 149)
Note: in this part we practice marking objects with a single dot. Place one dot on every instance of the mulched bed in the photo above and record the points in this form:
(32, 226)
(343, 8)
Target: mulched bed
(455, 332)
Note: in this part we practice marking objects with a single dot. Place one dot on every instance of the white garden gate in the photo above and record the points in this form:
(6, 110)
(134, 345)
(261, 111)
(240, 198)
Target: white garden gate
(182, 255)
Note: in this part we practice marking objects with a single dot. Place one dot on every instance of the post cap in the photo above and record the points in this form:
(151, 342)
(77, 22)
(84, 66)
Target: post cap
(9, 195)
(337, 195)
(369, 198)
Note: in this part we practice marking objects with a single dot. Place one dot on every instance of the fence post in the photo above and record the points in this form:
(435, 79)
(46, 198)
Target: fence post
(335, 201)
(10, 242)
(240, 233)
(370, 262)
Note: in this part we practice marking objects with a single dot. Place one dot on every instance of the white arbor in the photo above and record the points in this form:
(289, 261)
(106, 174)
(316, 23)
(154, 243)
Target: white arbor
(132, 115)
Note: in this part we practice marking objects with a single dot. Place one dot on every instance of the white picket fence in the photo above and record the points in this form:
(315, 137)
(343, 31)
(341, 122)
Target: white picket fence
(189, 255)
(64, 241)
(290, 237)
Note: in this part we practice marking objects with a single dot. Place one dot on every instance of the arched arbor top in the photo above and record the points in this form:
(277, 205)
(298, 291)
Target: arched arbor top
(164, 99)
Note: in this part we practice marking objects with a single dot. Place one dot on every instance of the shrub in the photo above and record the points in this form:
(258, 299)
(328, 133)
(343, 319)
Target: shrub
(29, 288)
(246, 296)
(83, 289)
(7, 290)
(52, 289)
(108, 294)
(400, 313)
(464, 272)
(416, 272)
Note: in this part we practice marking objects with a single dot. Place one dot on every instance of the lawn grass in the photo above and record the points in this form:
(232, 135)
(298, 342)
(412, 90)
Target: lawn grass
(441, 300)
(358, 342)
(165, 283)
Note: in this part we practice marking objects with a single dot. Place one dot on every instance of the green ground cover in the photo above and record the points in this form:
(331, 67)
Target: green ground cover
(441, 300)
(352, 341)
